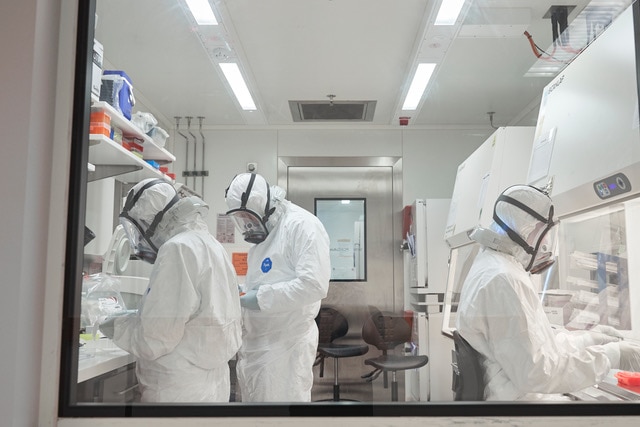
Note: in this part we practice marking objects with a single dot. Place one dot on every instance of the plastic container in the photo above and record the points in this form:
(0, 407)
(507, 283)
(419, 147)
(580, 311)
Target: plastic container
(145, 121)
(158, 135)
(117, 90)
(628, 378)
(153, 164)
(100, 123)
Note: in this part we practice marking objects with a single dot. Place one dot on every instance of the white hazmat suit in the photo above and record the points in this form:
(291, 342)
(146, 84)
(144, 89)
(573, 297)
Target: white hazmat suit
(501, 316)
(188, 324)
(288, 274)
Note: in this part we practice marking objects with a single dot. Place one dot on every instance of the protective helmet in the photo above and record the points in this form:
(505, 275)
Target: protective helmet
(525, 214)
(249, 201)
(146, 204)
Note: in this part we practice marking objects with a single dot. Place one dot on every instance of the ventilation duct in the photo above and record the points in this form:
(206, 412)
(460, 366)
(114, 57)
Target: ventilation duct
(332, 111)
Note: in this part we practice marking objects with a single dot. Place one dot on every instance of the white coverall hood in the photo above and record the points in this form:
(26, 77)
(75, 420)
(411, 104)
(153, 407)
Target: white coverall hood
(252, 206)
(144, 210)
(523, 226)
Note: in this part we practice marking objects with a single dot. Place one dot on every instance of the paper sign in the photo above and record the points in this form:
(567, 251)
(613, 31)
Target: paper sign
(225, 229)
(239, 261)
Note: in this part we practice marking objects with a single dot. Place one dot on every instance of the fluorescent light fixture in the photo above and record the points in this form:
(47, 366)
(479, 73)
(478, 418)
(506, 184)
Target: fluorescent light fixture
(418, 85)
(202, 12)
(240, 90)
(449, 11)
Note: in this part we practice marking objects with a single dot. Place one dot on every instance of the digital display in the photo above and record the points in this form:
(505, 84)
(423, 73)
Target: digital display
(612, 186)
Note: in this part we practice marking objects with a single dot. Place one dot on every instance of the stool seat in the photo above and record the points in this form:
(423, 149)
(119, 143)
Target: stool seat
(343, 350)
(391, 362)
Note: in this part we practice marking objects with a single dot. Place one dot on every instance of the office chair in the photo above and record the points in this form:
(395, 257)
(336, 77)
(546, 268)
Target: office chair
(386, 331)
(331, 326)
(468, 372)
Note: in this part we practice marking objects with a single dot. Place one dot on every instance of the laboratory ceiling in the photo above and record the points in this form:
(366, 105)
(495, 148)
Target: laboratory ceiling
(347, 50)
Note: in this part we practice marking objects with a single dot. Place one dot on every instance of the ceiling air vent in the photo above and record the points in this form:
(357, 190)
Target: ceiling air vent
(332, 111)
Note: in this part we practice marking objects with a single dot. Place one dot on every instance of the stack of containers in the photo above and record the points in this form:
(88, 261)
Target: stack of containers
(100, 123)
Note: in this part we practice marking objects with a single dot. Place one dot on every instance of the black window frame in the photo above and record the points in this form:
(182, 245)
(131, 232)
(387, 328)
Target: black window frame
(69, 407)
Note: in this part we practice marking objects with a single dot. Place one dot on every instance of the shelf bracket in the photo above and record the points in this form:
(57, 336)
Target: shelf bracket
(107, 171)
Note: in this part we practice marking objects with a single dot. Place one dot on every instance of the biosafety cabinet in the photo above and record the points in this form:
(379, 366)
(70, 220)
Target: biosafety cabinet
(501, 161)
(587, 144)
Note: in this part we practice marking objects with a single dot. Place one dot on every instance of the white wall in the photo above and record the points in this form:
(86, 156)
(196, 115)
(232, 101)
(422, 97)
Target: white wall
(430, 160)
(28, 48)
(430, 157)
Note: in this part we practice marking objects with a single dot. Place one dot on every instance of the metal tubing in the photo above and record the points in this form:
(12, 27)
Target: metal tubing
(336, 385)
(200, 118)
(186, 145)
(195, 150)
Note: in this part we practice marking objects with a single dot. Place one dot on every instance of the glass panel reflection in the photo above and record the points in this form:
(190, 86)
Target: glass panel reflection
(344, 220)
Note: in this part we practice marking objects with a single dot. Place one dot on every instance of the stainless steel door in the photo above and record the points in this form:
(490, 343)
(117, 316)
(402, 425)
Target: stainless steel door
(375, 184)
(379, 181)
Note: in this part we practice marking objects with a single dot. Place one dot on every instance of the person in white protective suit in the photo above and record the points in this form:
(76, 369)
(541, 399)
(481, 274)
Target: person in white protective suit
(288, 274)
(188, 324)
(501, 316)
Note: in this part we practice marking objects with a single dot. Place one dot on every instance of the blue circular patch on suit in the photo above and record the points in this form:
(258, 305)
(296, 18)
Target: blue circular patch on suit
(266, 265)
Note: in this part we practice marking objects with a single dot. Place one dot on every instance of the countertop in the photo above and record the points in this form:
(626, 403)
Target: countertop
(97, 357)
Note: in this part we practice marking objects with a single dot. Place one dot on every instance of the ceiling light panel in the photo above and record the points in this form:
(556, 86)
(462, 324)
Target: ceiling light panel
(234, 77)
(202, 12)
(449, 12)
(418, 85)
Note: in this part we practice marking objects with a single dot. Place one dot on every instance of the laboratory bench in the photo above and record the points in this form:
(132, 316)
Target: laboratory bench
(106, 373)
(608, 390)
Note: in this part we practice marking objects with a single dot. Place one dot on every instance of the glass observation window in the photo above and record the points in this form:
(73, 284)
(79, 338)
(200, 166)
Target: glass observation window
(123, 70)
(345, 222)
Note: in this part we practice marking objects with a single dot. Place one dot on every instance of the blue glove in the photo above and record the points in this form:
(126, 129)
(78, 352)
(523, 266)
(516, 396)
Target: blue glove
(250, 300)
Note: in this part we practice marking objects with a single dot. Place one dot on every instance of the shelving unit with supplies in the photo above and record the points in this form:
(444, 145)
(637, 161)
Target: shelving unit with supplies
(111, 159)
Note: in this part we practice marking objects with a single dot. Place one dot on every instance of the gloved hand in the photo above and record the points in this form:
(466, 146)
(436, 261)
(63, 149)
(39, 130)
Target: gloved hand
(629, 356)
(108, 327)
(598, 338)
(607, 330)
(250, 300)
(612, 351)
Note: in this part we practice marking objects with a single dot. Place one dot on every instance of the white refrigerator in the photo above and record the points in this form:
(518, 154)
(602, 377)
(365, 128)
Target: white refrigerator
(425, 267)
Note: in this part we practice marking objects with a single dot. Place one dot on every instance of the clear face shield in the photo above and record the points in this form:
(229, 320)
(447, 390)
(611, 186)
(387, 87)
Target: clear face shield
(543, 240)
(140, 231)
(142, 248)
(250, 224)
